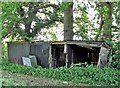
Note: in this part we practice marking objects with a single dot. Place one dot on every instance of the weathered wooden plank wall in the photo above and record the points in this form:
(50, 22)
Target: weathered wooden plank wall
(17, 50)
(41, 51)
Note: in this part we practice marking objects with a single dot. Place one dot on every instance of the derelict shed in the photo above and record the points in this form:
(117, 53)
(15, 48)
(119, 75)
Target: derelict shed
(56, 54)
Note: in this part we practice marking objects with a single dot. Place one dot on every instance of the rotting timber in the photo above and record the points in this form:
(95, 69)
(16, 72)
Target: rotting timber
(56, 54)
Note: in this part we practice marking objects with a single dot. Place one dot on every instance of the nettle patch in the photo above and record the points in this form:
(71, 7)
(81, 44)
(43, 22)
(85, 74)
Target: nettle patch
(89, 74)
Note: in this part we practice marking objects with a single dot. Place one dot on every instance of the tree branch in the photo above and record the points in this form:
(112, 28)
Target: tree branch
(100, 28)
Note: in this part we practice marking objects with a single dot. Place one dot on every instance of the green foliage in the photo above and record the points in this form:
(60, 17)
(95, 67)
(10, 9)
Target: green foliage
(53, 36)
(83, 24)
(6, 82)
(15, 14)
(4, 50)
(117, 12)
(89, 74)
(115, 57)
(9, 16)
(64, 6)
(9, 82)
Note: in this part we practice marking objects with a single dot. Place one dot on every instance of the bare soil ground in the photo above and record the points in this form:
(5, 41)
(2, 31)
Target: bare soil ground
(16, 79)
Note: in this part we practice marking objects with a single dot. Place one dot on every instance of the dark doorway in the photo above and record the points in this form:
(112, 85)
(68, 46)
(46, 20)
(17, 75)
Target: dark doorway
(58, 56)
(79, 55)
(82, 54)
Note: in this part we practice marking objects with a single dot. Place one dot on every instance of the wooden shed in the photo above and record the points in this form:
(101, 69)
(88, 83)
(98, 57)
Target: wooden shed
(59, 53)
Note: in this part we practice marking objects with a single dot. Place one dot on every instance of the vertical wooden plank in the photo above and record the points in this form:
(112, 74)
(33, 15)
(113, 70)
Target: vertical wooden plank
(111, 58)
(41, 51)
(66, 60)
(66, 55)
(65, 48)
(72, 62)
(50, 56)
(54, 61)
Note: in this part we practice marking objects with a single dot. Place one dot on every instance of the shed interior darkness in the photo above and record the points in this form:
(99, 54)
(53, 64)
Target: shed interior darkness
(58, 56)
(79, 55)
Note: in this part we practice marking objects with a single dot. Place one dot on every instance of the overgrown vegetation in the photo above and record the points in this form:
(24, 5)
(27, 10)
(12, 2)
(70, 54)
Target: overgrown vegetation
(114, 60)
(9, 82)
(89, 74)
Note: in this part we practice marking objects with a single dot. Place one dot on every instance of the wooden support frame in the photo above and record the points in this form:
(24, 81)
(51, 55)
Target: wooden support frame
(66, 55)
(72, 61)
(66, 60)
(50, 56)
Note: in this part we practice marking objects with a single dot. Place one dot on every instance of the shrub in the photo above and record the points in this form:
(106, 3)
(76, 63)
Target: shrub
(115, 57)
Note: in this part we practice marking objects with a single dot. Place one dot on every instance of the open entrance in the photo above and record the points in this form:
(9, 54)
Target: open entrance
(78, 54)
(84, 54)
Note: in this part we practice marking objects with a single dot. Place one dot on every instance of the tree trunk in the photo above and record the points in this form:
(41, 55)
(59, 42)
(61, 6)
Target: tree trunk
(107, 35)
(100, 28)
(68, 22)
(68, 30)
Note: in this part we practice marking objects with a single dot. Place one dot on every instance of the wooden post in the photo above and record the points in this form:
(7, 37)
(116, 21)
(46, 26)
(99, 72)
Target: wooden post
(54, 63)
(65, 48)
(66, 60)
(66, 54)
(72, 57)
(50, 56)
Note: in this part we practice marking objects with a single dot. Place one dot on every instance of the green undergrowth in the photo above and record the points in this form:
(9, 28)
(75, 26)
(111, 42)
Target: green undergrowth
(9, 82)
(89, 74)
